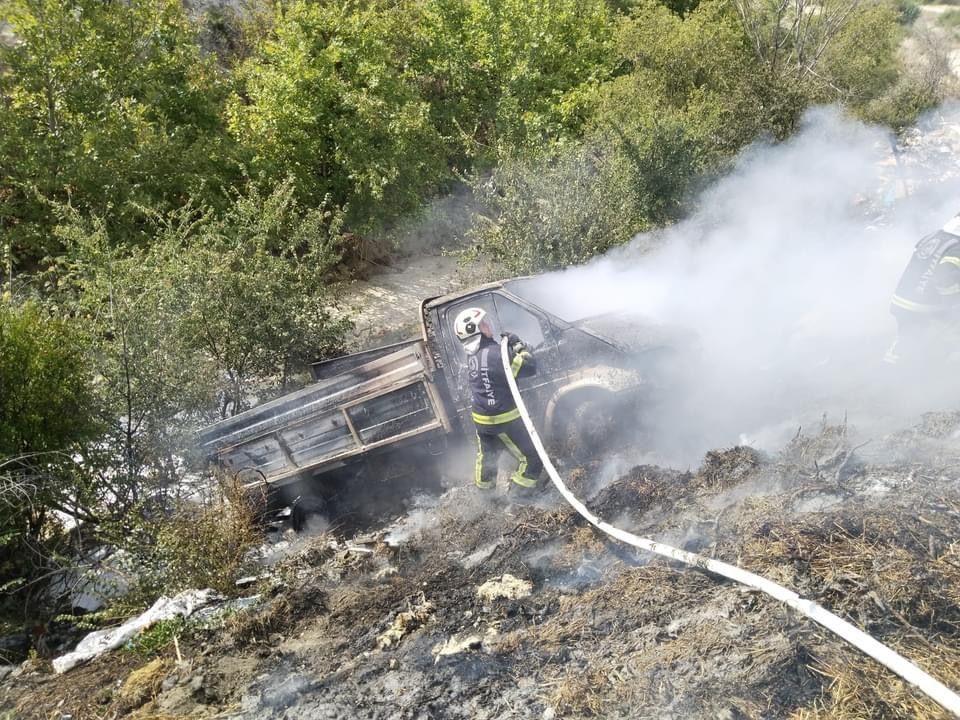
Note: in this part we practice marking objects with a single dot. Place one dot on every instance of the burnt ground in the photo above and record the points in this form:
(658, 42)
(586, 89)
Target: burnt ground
(391, 625)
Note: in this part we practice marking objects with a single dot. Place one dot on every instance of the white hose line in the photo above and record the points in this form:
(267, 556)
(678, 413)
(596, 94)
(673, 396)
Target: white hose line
(930, 686)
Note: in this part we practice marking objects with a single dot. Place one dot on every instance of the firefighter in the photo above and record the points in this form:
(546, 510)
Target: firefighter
(495, 414)
(926, 302)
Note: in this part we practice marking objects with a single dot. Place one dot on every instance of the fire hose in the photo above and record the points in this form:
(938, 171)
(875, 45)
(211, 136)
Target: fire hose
(927, 684)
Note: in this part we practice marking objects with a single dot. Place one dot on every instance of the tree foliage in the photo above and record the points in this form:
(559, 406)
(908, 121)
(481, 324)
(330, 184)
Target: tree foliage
(111, 105)
(255, 290)
(47, 414)
(325, 100)
(692, 90)
(499, 73)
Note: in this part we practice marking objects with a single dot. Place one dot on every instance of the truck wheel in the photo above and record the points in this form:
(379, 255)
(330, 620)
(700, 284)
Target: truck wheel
(303, 507)
(587, 424)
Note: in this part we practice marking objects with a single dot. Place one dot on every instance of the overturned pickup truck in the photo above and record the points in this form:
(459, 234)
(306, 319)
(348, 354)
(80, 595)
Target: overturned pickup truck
(377, 416)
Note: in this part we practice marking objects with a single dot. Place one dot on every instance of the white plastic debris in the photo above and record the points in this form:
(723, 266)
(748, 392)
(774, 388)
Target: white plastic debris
(101, 641)
(456, 645)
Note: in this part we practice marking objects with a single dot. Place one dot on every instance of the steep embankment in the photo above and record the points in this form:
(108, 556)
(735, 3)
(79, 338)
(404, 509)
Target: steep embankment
(405, 623)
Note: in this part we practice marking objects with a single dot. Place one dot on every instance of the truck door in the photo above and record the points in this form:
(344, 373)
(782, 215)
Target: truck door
(507, 314)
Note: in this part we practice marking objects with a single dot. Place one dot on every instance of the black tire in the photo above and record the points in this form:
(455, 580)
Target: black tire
(586, 424)
(303, 507)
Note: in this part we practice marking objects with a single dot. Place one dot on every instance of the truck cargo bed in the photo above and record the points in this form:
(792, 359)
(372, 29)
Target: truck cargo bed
(381, 402)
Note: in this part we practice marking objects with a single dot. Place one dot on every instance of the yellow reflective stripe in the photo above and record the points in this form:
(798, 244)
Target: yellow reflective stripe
(514, 450)
(952, 290)
(522, 480)
(519, 477)
(516, 364)
(478, 476)
(912, 306)
(950, 260)
(518, 361)
(496, 419)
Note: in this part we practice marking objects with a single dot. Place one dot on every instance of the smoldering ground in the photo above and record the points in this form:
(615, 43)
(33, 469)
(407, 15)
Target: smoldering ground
(783, 275)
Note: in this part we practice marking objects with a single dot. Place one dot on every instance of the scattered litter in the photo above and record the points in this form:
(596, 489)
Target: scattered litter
(480, 556)
(211, 612)
(361, 550)
(505, 587)
(455, 644)
(251, 580)
(405, 622)
(99, 642)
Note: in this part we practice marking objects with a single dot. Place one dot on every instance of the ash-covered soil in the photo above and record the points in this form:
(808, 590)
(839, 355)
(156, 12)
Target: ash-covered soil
(470, 608)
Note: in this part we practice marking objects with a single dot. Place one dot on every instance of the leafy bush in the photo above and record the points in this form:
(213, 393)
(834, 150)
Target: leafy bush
(110, 105)
(544, 216)
(155, 639)
(325, 99)
(861, 60)
(949, 19)
(696, 90)
(195, 544)
(907, 11)
(498, 73)
(163, 328)
(47, 412)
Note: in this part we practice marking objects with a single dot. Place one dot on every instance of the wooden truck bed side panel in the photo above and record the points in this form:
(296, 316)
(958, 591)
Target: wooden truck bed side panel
(385, 401)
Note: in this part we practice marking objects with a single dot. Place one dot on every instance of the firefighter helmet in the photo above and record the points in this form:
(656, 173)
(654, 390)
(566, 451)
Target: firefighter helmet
(467, 327)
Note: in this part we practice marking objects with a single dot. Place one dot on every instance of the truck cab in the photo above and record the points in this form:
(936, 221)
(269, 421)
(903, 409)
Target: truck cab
(576, 366)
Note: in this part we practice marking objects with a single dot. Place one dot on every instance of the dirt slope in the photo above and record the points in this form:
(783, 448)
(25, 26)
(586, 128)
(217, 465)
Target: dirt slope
(391, 625)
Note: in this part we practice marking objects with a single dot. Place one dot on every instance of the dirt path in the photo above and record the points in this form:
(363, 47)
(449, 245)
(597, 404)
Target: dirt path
(385, 305)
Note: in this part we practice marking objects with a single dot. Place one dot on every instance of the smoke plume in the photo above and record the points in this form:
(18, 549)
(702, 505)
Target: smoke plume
(783, 277)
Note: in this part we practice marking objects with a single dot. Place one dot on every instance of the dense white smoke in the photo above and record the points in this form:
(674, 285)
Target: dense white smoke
(784, 275)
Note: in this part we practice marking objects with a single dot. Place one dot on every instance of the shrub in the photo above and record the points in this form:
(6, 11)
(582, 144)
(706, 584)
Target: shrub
(949, 19)
(907, 11)
(197, 544)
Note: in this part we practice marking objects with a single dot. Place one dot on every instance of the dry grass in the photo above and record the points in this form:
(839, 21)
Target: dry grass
(860, 689)
(894, 571)
(583, 545)
(722, 469)
(587, 691)
(198, 545)
(143, 684)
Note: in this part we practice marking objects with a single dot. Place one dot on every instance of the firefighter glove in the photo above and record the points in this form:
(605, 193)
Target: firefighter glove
(515, 343)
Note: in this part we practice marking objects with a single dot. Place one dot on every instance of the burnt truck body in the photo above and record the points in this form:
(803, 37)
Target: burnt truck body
(381, 413)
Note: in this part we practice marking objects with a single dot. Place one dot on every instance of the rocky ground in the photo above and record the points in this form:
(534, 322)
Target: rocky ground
(467, 607)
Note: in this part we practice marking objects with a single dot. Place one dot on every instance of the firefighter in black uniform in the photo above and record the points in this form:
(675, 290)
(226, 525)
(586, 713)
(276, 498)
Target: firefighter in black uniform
(495, 414)
(926, 302)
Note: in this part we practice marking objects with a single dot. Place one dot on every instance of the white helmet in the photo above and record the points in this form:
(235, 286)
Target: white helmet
(467, 327)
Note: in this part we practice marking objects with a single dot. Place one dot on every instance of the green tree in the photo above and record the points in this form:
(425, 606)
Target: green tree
(255, 287)
(699, 68)
(685, 104)
(47, 415)
(819, 53)
(111, 105)
(499, 74)
(150, 383)
(325, 100)
(690, 93)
